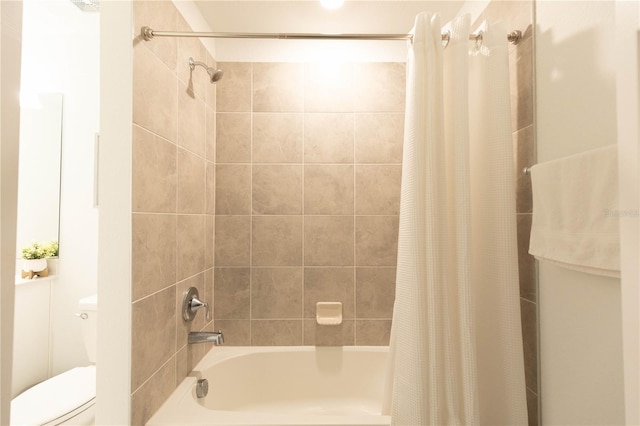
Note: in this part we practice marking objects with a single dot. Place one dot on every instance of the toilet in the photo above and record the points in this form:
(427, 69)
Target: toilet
(68, 398)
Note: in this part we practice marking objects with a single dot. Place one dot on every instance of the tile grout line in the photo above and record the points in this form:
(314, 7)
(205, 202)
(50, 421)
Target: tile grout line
(251, 90)
(355, 197)
(175, 292)
(304, 111)
(175, 355)
(214, 156)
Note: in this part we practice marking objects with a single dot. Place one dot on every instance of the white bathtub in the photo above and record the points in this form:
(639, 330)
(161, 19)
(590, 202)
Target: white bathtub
(282, 386)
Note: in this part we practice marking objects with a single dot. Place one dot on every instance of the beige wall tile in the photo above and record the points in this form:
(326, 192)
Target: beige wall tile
(236, 332)
(210, 88)
(329, 285)
(153, 340)
(328, 138)
(209, 240)
(276, 293)
(208, 291)
(146, 400)
(231, 293)
(191, 122)
(379, 137)
(186, 360)
(328, 87)
(532, 408)
(375, 292)
(276, 332)
(183, 328)
(277, 138)
(378, 189)
(233, 91)
(373, 332)
(210, 188)
(153, 258)
(155, 94)
(154, 173)
(329, 335)
(376, 240)
(191, 182)
(157, 14)
(210, 136)
(233, 189)
(233, 137)
(278, 87)
(328, 189)
(521, 85)
(526, 262)
(530, 343)
(196, 79)
(328, 241)
(233, 240)
(523, 147)
(190, 245)
(380, 87)
(277, 241)
(277, 189)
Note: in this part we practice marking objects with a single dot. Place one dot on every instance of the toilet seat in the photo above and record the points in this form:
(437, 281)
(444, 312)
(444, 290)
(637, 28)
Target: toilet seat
(57, 399)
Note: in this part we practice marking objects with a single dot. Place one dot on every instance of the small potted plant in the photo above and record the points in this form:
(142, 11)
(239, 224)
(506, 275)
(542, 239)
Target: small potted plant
(35, 259)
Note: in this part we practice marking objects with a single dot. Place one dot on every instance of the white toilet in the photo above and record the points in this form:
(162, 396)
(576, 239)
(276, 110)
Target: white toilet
(68, 398)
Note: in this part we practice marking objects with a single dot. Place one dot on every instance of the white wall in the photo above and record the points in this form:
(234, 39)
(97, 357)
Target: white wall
(580, 314)
(309, 17)
(61, 54)
(32, 334)
(628, 97)
(10, 35)
(113, 375)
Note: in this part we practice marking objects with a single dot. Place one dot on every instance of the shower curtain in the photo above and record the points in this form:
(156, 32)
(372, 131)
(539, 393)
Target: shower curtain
(456, 345)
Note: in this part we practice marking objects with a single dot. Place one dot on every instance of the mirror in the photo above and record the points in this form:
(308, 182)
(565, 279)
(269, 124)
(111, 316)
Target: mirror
(39, 169)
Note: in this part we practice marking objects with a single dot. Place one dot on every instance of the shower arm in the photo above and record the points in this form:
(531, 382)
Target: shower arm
(193, 63)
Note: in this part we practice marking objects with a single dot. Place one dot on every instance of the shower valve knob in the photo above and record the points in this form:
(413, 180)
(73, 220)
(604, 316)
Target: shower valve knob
(191, 304)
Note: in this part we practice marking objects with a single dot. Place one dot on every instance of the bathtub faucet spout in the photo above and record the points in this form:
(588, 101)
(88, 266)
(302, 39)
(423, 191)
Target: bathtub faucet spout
(215, 337)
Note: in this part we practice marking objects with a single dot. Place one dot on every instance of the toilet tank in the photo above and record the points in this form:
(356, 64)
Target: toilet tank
(88, 310)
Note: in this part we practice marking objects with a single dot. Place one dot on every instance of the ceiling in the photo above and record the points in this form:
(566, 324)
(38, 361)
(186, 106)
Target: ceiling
(308, 16)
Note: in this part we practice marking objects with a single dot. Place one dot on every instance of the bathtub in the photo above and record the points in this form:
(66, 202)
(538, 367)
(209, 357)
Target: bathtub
(286, 385)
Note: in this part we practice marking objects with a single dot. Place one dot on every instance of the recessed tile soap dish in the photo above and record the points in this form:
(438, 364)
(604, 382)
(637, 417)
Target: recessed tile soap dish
(329, 313)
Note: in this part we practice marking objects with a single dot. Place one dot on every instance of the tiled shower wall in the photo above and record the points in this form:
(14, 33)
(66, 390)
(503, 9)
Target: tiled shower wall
(306, 200)
(172, 204)
(308, 173)
(271, 118)
(518, 15)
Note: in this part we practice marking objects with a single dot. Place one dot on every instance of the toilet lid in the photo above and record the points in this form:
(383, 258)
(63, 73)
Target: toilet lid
(55, 397)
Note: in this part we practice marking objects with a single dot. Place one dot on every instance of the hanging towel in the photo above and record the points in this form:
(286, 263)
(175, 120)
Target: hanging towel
(575, 212)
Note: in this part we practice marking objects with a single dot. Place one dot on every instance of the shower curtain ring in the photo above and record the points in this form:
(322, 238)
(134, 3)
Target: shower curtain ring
(446, 38)
(479, 39)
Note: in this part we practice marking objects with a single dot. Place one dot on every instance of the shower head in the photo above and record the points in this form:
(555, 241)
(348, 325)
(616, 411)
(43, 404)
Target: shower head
(214, 74)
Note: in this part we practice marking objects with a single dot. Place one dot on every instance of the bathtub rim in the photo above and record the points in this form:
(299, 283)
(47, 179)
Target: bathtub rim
(219, 354)
(176, 410)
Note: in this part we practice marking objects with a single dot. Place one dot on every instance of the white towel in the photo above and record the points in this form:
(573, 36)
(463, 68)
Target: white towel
(575, 212)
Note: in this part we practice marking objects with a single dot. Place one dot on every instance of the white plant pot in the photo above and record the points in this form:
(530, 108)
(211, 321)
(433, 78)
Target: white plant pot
(35, 265)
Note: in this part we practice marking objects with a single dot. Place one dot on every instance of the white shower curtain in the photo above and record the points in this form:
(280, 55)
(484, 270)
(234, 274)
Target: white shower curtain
(456, 345)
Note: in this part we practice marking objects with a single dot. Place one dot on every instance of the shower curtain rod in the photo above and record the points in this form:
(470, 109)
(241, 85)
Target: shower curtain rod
(149, 33)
